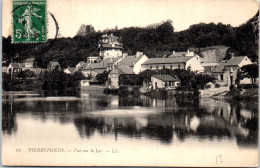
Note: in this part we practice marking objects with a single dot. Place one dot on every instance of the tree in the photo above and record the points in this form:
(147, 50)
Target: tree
(102, 77)
(85, 30)
(249, 71)
(203, 79)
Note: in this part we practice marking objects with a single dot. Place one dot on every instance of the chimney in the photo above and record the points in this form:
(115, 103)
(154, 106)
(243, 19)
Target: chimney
(138, 53)
(125, 55)
(232, 55)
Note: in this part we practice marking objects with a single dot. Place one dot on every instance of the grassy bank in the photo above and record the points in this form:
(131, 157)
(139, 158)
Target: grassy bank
(250, 94)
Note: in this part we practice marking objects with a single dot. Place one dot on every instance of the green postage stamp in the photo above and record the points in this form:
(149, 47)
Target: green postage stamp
(29, 21)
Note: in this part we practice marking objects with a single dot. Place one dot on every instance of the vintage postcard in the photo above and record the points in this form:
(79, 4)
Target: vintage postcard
(164, 83)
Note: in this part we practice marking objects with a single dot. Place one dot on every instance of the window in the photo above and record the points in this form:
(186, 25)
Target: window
(157, 67)
(179, 66)
(171, 66)
(164, 67)
(221, 77)
(151, 67)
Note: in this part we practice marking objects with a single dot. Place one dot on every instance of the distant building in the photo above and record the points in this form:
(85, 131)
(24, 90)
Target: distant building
(70, 70)
(113, 76)
(38, 71)
(177, 54)
(100, 67)
(182, 54)
(84, 83)
(164, 81)
(133, 61)
(110, 47)
(29, 63)
(209, 67)
(81, 65)
(4, 69)
(221, 75)
(227, 73)
(173, 63)
(93, 59)
(13, 68)
(52, 65)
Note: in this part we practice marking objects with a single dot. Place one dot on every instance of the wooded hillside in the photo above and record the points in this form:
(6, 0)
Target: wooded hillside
(154, 40)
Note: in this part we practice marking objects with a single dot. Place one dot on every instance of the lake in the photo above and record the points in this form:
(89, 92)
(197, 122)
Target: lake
(98, 129)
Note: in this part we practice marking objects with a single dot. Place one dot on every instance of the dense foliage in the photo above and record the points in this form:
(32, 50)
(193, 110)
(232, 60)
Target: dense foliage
(61, 82)
(102, 77)
(56, 80)
(249, 71)
(154, 40)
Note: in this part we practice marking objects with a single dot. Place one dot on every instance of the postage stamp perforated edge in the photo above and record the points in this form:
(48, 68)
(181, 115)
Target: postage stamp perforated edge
(45, 22)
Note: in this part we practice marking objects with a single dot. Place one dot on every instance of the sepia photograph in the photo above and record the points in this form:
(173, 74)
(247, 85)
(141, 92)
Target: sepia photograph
(161, 83)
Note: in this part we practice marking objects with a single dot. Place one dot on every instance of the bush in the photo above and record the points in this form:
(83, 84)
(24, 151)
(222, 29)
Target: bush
(217, 85)
(231, 87)
(107, 91)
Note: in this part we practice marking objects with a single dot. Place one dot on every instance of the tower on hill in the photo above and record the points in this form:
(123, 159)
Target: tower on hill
(110, 47)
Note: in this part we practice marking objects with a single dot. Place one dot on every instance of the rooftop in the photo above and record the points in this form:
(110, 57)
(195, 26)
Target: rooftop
(166, 78)
(72, 69)
(130, 60)
(103, 64)
(111, 37)
(54, 63)
(235, 61)
(178, 54)
(124, 69)
(167, 60)
(29, 60)
(219, 68)
(111, 46)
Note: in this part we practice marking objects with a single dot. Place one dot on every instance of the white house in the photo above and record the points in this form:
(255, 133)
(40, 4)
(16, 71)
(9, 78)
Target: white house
(93, 59)
(113, 76)
(133, 61)
(96, 68)
(110, 47)
(164, 81)
(226, 74)
(52, 65)
(29, 63)
(173, 63)
(70, 70)
(81, 65)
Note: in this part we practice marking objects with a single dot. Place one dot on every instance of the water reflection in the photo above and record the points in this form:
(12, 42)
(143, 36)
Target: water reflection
(143, 117)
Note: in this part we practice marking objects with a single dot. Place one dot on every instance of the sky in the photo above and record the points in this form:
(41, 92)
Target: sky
(102, 14)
